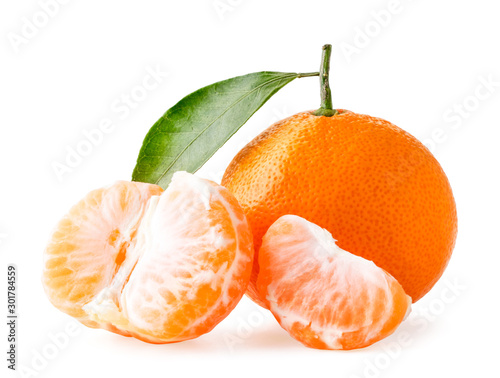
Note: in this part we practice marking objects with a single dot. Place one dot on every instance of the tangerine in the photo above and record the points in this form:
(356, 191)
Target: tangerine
(161, 266)
(376, 187)
(325, 297)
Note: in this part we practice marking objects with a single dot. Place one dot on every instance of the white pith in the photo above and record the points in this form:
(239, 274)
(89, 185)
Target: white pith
(154, 262)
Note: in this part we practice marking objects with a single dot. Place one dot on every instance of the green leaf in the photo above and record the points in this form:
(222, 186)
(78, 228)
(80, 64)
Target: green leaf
(191, 131)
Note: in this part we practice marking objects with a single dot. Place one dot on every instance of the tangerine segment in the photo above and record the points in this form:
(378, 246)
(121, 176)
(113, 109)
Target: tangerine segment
(89, 244)
(186, 268)
(325, 297)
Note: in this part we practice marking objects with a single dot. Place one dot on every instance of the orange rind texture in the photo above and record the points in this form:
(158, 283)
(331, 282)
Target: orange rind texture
(373, 185)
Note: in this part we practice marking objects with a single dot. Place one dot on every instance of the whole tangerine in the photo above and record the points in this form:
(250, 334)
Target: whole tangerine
(376, 188)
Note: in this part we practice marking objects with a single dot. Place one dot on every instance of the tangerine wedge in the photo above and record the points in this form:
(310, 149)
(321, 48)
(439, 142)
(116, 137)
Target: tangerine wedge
(325, 297)
(161, 266)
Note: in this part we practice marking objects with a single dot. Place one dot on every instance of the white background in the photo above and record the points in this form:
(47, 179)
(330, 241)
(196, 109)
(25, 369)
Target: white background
(412, 69)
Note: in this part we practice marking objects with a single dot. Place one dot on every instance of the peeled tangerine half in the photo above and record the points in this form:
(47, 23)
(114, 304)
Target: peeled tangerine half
(159, 266)
(325, 297)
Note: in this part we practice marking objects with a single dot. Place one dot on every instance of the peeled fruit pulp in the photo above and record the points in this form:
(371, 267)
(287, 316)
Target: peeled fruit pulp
(161, 266)
(325, 297)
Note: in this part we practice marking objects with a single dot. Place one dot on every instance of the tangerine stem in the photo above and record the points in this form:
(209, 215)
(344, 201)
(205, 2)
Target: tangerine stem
(308, 74)
(326, 108)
